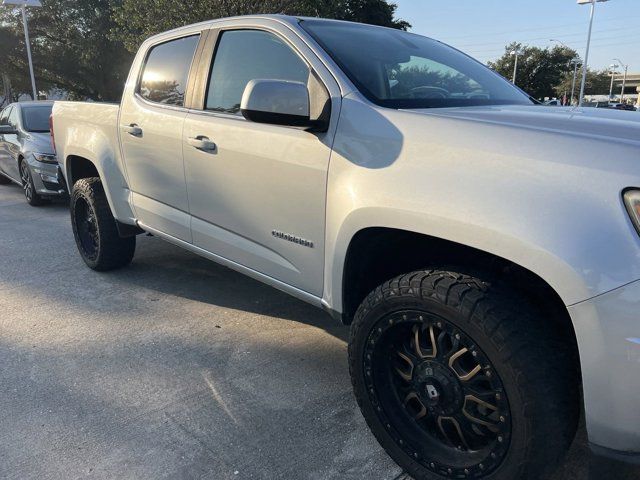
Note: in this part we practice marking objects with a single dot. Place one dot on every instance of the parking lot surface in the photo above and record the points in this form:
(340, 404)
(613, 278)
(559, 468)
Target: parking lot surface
(174, 367)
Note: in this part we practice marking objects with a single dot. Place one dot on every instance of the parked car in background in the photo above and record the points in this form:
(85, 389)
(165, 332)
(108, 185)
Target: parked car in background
(623, 106)
(553, 103)
(410, 192)
(26, 153)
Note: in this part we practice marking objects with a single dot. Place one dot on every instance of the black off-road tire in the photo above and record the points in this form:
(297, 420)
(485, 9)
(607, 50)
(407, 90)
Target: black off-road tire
(4, 180)
(535, 367)
(95, 229)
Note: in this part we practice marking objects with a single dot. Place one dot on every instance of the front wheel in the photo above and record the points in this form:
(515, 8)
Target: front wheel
(33, 198)
(95, 229)
(457, 379)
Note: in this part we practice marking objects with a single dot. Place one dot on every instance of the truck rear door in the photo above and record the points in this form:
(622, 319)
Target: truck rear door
(151, 121)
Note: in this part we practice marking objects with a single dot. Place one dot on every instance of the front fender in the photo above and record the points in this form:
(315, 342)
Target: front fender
(544, 201)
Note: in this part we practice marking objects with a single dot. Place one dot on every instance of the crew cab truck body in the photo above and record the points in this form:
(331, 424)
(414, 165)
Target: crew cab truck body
(486, 249)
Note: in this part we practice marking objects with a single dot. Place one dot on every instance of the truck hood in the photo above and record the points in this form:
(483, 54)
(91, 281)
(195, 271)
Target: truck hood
(612, 125)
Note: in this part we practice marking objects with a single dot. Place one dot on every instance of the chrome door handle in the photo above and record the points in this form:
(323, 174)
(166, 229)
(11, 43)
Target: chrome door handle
(202, 143)
(133, 129)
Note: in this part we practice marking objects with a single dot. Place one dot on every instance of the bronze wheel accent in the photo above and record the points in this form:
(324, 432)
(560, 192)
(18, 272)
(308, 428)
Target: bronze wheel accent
(437, 394)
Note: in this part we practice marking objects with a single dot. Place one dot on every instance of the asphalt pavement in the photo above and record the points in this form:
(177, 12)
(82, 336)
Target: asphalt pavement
(174, 367)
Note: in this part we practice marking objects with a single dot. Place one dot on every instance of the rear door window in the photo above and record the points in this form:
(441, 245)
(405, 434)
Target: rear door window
(166, 71)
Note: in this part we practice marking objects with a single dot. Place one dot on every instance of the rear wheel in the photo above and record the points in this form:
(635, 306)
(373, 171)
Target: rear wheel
(459, 380)
(95, 229)
(33, 198)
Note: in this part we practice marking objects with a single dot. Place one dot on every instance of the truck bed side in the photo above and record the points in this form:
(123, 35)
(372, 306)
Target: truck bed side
(88, 132)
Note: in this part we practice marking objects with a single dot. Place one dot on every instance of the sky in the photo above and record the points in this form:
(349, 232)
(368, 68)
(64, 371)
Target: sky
(481, 28)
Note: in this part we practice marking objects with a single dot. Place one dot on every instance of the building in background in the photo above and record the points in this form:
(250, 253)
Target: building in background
(632, 88)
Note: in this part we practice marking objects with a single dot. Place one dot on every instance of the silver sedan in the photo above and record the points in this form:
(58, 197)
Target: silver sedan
(26, 154)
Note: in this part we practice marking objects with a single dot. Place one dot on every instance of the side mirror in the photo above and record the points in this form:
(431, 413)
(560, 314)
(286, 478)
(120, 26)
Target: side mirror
(7, 130)
(277, 102)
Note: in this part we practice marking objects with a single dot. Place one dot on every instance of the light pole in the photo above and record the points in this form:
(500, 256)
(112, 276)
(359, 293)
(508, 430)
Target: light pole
(23, 6)
(517, 52)
(575, 62)
(585, 65)
(612, 70)
(624, 79)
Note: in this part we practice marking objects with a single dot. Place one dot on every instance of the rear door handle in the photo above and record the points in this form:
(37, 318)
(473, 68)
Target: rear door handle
(202, 143)
(133, 129)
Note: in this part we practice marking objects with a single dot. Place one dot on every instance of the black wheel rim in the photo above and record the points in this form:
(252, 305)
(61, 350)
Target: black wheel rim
(437, 394)
(27, 185)
(86, 228)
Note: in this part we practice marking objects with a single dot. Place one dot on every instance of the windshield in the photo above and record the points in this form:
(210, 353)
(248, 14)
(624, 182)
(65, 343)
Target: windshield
(35, 118)
(397, 69)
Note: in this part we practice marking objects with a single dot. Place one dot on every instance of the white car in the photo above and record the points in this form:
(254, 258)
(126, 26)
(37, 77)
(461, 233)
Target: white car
(486, 250)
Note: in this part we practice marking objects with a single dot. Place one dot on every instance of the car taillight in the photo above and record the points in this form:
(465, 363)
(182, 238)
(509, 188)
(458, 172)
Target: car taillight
(53, 138)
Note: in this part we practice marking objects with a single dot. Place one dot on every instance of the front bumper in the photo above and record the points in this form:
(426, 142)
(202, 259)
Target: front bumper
(608, 332)
(47, 178)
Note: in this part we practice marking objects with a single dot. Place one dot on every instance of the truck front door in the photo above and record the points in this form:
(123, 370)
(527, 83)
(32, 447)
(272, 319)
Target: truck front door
(257, 192)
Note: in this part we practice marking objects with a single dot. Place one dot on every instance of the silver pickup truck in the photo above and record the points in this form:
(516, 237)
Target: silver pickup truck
(485, 250)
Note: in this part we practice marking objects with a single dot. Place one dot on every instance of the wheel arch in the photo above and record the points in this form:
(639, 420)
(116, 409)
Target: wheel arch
(78, 167)
(397, 251)
(82, 164)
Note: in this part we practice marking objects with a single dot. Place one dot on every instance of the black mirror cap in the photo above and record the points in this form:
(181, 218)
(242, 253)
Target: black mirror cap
(284, 119)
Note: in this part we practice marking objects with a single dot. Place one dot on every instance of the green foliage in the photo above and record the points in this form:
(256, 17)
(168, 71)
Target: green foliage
(70, 46)
(598, 83)
(138, 19)
(13, 60)
(85, 47)
(540, 70)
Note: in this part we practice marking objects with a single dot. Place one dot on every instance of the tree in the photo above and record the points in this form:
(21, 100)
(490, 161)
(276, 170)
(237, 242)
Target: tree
(70, 46)
(13, 61)
(139, 19)
(598, 83)
(79, 46)
(540, 71)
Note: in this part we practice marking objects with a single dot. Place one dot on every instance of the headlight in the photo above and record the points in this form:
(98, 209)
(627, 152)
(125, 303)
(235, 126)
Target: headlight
(45, 157)
(632, 202)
